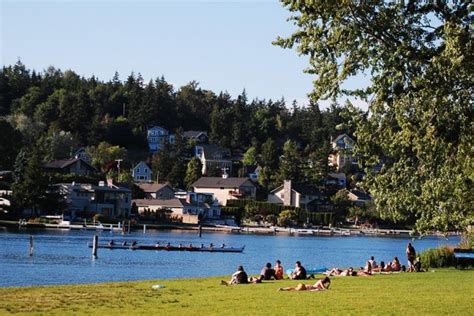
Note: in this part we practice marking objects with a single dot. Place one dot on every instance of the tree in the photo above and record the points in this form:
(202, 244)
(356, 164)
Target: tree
(193, 172)
(419, 123)
(250, 157)
(105, 153)
(30, 187)
(10, 142)
(287, 218)
(290, 164)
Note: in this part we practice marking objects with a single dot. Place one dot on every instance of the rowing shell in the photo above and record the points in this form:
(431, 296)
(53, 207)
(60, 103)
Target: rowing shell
(168, 248)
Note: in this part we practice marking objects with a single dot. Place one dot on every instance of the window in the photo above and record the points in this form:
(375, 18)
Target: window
(138, 170)
(145, 170)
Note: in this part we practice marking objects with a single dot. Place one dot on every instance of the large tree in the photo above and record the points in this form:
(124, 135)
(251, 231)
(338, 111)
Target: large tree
(419, 58)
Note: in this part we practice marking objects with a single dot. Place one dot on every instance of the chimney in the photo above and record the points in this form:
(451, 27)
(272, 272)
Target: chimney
(287, 192)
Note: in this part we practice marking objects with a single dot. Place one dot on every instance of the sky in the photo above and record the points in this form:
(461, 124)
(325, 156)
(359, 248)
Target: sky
(223, 45)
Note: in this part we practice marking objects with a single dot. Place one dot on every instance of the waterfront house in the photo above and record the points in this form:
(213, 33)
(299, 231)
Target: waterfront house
(226, 188)
(109, 200)
(160, 191)
(141, 172)
(157, 136)
(190, 209)
(341, 154)
(199, 137)
(214, 158)
(75, 166)
(297, 195)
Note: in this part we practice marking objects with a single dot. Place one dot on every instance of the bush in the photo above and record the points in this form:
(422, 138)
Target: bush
(438, 257)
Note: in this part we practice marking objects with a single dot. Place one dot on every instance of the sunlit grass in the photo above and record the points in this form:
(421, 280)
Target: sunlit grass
(440, 293)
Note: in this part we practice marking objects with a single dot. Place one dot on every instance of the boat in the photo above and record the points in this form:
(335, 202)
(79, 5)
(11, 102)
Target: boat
(168, 248)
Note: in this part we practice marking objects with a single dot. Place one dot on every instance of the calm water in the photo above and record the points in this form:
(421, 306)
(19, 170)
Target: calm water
(62, 257)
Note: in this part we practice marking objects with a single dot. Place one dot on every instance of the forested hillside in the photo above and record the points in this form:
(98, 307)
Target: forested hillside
(55, 112)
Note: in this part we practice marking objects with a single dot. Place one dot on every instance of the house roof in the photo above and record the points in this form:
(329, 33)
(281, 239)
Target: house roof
(211, 150)
(341, 137)
(64, 163)
(361, 195)
(218, 182)
(194, 134)
(153, 187)
(154, 202)
(141, 162)
(300, 188)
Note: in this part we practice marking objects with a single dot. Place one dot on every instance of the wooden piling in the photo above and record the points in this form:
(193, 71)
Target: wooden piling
(144, 228)
(129, 223)
(200, 230)
(95, 243)
(31, 246)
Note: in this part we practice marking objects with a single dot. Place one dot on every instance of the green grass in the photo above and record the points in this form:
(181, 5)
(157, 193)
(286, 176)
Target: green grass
(444, 292)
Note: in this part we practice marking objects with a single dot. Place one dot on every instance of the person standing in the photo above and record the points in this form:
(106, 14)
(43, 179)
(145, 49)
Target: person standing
(411, 256)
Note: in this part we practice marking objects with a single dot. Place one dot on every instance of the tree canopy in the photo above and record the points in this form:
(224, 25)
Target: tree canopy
(418, 56)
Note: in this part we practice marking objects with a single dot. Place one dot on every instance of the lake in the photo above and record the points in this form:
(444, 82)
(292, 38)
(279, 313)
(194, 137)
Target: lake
(63, 257)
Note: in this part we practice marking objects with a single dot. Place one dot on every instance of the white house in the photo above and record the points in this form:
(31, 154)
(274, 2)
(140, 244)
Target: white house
(141, 172)
(191, 209)
(157, 136)
(213, 157)
(226, 188)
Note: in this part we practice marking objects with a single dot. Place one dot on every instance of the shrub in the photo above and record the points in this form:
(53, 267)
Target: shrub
(438, 257)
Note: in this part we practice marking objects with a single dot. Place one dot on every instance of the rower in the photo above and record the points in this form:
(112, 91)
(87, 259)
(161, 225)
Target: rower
(124, 243)
(134, 243)
(223, 245)
(157, 244)
(111, 243)
(211, 245)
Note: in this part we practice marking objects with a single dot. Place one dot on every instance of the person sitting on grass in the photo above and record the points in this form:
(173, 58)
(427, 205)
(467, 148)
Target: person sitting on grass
(379, 268)
(396, 264)
(299, 273)
(320, 285)
(278, 270)
(239, 277)
(267, 272)
(367, 271)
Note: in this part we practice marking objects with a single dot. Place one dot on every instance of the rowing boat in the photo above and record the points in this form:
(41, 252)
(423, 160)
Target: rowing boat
(168, 248)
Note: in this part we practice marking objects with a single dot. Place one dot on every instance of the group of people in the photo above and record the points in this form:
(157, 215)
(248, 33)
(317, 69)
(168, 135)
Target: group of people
(299, 272)
(371, 266)
(277, 273)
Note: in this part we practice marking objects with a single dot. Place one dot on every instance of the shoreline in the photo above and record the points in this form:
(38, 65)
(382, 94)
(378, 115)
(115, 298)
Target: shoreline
(253, 230)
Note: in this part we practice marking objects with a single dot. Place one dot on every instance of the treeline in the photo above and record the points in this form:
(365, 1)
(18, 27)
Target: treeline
(59, 111)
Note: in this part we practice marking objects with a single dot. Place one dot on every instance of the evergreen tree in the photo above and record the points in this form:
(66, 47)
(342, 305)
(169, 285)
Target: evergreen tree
(290, 164)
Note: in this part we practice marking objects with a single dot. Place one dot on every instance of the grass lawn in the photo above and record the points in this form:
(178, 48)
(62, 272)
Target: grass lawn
(444, 292)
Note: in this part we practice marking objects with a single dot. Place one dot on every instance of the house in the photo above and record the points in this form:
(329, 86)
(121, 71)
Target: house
(337, 180)
(226, 188)
(141, 172)
(108, 200)
(75, 166)
(341, 154)
(199, 137)
(81, 153)
(157, 136)
(297, 195)
(358, 197)
(191, 209)
(213, 157)
(160, 191)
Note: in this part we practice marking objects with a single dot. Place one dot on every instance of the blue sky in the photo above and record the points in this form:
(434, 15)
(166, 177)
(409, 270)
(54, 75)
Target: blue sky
(224, 45)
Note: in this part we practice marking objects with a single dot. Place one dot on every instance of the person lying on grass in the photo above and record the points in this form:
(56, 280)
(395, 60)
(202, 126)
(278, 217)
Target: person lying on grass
(339, 272)
(320, 285)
